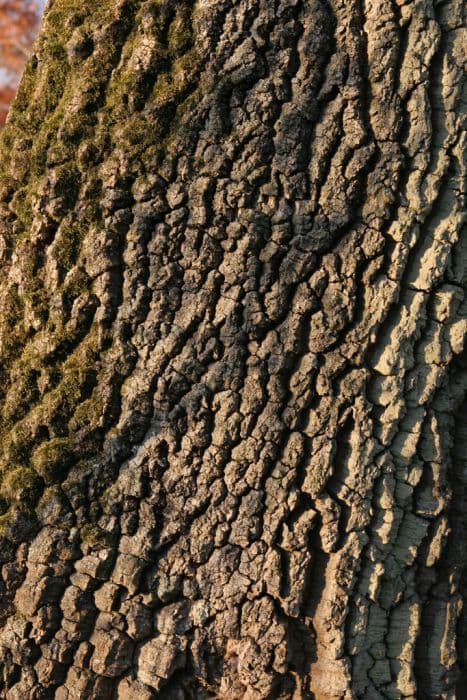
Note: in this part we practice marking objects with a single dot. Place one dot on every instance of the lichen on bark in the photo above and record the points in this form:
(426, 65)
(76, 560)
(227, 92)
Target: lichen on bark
(232, 324)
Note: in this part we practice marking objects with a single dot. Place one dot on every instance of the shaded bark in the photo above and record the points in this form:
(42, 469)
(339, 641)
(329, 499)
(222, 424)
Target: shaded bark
(231, 335)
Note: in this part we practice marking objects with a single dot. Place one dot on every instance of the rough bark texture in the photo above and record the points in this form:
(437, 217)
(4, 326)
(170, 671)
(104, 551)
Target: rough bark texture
(233, 438)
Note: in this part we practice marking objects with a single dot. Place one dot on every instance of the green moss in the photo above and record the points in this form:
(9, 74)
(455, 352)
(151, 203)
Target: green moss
(26, 393)
(32, 113)
(36, 294)
(67, 184)
(16, 445)
(13, 306)
(78, 285)
(95, 537)
(88, 413)
(22, 485)
(46, 136)
(67, 245)
(3, 506)
(57, 406)
(50, 82)
(68, 117)
(52, 459)
(180, 34)
(16, 526)
(21, 205)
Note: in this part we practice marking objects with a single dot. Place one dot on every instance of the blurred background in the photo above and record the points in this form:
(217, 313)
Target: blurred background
(19, 24)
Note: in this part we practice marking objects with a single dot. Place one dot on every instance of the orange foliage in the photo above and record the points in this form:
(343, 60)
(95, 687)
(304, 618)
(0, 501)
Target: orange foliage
(19, 22)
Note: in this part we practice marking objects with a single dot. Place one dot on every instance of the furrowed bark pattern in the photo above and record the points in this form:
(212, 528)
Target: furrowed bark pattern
(233, 380)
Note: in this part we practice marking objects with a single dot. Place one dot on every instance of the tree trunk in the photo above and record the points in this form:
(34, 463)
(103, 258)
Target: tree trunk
(233, 440)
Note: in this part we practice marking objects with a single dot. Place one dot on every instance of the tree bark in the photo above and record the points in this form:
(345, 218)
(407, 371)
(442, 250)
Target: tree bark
(233, 388)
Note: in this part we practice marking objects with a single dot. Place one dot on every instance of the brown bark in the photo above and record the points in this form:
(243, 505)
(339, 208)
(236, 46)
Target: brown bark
(233, 449)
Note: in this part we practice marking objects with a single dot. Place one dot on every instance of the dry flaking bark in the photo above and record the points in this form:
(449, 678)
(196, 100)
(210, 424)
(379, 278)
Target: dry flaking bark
(233, 389)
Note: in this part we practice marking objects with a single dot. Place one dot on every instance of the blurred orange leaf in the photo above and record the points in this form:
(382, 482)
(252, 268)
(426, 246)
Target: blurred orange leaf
(19, 22)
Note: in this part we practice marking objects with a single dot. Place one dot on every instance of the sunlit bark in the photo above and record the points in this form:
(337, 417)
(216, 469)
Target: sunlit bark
(232, 442)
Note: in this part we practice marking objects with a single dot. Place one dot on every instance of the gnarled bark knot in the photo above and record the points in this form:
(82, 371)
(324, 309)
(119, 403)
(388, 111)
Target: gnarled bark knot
(233, 438)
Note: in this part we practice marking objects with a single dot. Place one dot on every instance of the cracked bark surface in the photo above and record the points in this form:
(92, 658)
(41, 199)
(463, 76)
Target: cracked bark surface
(233, 386)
